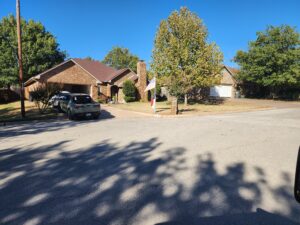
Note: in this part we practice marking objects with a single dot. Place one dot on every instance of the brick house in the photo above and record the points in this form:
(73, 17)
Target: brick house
(228, 84)
(93, 78)
(226, 89)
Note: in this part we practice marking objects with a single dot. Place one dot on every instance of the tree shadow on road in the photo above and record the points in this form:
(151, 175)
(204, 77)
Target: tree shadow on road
(260, 217)
(109, 184)
(35, 127)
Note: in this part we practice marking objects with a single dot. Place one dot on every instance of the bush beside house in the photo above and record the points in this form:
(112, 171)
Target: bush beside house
(129, 91)
(7, 95)
(42, 94)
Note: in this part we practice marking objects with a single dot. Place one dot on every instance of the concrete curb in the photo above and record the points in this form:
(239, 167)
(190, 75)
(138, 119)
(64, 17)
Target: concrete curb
(58, 118)
(192, 115)
(129, 111)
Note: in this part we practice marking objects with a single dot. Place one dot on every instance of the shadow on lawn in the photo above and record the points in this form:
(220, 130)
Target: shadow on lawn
(107, 184)
(35, 127)
(14, 113)
(5, 110)
(186, 110)
(163, 109)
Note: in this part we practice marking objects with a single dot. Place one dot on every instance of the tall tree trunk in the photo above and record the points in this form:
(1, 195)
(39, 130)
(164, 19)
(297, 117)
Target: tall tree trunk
(174, 106)
(185, 100)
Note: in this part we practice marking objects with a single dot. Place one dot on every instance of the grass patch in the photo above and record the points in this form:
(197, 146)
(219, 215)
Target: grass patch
(163, 108)
(12, 112)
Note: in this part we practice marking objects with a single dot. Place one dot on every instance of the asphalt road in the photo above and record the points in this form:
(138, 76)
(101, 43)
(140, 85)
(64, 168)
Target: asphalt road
(213, 170)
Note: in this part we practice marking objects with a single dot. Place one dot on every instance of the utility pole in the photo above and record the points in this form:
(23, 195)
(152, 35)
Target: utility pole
(154, 95)
(20, 58)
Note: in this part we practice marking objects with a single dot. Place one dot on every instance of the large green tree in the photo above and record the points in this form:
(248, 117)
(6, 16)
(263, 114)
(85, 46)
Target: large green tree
(40, 50)
(272, 60)
(182, 56)
(120, 58)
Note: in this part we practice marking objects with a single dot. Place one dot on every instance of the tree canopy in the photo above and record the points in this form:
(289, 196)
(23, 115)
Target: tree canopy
(40, 50)
(120, 58)
(272, 60)
(182, 56)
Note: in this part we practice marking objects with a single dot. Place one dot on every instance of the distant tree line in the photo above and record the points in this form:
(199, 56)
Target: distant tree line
(183, 59)
(120, 57)
(271, 66)
(40, 50)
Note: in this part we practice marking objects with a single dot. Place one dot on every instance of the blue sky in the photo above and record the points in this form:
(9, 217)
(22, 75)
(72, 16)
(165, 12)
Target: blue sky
(91, 27)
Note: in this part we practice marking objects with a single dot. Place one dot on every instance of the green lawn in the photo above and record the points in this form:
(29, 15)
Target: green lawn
(163, 108)
(12, 112)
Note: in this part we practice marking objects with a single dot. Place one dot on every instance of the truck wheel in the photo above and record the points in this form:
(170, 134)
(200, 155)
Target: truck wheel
(59, 108)
(96, 116)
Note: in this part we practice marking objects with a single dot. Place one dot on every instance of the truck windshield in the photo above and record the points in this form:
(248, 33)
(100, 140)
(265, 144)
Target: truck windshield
(82, 99)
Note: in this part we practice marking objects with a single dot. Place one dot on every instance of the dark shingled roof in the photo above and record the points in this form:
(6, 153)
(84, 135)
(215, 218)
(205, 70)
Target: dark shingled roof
(97, 69)
(117, 73)
(232, 70)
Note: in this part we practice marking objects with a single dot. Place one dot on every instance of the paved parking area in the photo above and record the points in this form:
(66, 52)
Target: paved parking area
(223, 169)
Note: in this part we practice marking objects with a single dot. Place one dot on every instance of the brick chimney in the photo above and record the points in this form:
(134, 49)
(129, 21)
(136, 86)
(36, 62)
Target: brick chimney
(142, 80)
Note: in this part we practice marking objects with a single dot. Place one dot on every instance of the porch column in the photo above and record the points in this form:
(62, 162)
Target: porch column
(94, 92)
(108, 91)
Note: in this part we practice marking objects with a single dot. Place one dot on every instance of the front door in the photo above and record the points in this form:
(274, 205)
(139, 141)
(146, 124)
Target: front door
(114, 93)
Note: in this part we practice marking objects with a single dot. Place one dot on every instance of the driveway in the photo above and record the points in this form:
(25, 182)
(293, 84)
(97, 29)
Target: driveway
(213, 170)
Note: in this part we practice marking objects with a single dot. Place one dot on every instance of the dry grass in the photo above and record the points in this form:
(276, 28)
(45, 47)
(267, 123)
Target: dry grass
(143, 107)
(163, 108)
(12, 112)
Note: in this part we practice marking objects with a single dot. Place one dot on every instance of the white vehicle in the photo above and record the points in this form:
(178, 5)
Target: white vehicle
(80, 105)
(56, 99)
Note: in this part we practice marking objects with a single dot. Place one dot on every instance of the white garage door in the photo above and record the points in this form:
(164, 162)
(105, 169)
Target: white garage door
(224, 91)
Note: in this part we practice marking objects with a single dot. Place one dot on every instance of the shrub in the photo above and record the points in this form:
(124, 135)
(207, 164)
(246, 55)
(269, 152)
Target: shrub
(42, 93)
(101, 101)
(129, 99)
(7, 95)
(129, 91)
